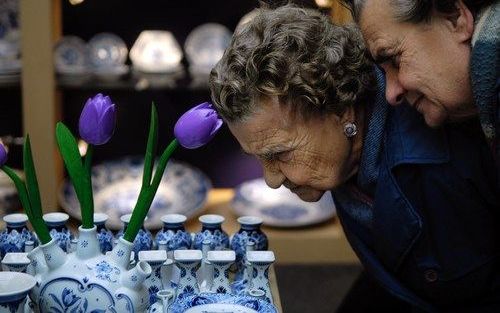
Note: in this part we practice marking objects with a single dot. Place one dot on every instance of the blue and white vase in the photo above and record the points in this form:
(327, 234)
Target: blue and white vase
(56, 222)
(211, 230)
(249, 231)
(13, 238)
(221, 261)
(188, 262)
(144, 239)
(104, 235)
(173, 234)
(13, 295)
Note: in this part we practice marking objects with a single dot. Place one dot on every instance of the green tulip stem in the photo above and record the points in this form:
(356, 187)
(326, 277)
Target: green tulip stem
(147, 194)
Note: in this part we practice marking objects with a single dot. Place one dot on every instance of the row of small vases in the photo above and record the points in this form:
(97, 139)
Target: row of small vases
(172, 237)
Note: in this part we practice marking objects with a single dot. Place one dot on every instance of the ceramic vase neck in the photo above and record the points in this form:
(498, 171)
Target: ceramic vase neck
(121, 253)
(55, 257)
(88, 245)
(134, 278)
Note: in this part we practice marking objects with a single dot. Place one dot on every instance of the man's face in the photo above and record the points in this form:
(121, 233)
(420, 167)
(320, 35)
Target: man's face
(306, 156)
(426, 64)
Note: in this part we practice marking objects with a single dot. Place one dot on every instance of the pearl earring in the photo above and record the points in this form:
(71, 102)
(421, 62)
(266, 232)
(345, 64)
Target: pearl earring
(350, 129)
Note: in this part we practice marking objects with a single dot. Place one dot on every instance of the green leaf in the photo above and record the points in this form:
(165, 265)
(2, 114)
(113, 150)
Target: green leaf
(37, 222)
(79, 176)
(31, 180)
(149, 158)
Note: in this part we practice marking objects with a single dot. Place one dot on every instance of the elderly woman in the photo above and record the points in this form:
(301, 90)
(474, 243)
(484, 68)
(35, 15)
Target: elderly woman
(440, 57)
(416, 203)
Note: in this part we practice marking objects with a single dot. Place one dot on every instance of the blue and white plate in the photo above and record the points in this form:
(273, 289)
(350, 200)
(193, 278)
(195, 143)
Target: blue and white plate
(107, 50)
(218, 302)
(280, 207)
(116, 184)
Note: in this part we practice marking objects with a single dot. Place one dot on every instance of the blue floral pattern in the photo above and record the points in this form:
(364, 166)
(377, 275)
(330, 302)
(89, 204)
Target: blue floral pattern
(105, 271)
(105, 238)
(62, 237)
(182, 304)
(14, 240)
(176, 239)
(219, 240)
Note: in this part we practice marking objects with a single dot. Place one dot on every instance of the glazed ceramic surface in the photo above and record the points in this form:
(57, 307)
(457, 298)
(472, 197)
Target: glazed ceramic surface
(144, 239)
(249, 231)
(56, 222)
(14, 288)
(156, 51)
(205, 46)
(198, 303)
(212, 231)
(86, 280)
(116, 185)
(71, 56)
(14, 237)
(280, 207)
(173, 233)
(107, 51)
(104, 235)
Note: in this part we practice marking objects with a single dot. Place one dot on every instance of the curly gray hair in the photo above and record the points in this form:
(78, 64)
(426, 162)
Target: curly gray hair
(296, 54)
(417, 11)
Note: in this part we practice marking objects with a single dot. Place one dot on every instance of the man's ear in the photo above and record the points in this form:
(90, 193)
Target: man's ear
(461, 22)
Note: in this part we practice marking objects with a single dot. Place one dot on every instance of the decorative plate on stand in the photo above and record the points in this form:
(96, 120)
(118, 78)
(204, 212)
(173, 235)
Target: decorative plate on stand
(116, 184)
(280, 207)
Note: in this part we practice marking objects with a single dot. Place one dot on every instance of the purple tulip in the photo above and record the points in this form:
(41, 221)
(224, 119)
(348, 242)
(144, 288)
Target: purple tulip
(3, 155)
(197, 126)
(98, 119)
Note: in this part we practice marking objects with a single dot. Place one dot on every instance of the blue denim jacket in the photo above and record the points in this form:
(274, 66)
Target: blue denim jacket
(431, 236)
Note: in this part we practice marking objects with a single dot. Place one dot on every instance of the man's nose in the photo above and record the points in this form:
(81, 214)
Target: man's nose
(394, 91)
(273, 176)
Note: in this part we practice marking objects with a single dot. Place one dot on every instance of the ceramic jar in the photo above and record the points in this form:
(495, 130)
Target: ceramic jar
(104, 235)
(249, 231)
(144, 239)
(13, 239)
(56, 222)
(173, 234)
(211, 230)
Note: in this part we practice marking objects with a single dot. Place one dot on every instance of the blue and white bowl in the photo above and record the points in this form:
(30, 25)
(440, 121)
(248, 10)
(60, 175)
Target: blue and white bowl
(14, 288)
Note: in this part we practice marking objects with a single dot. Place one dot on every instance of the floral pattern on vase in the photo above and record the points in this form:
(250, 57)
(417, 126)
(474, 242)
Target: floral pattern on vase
(212, 231)
(249, 231)
(188, 262)
(143, 241)
(56, 222)
(174, 233)
(13, 238)
(104, 235)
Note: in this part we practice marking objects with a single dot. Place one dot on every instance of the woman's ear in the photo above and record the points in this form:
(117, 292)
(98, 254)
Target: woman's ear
(461, 22)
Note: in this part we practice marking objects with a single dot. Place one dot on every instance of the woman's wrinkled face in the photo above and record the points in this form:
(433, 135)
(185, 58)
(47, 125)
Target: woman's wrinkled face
(308, 157)
(426, 64)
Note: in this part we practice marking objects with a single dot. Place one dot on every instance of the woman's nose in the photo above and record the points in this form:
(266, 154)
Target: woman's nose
(273, 176)
(394, 91)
